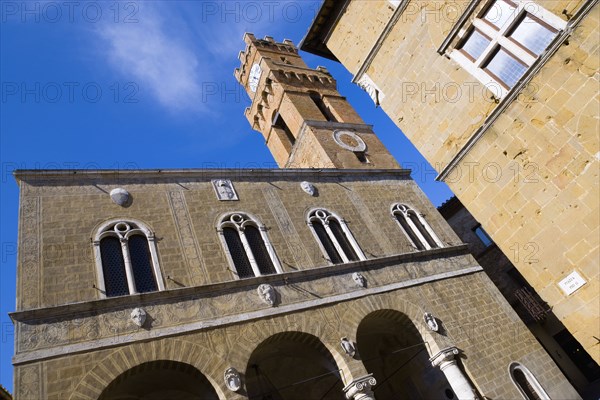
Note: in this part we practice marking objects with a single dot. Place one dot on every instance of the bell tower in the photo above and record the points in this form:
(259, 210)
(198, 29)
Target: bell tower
(305, 121)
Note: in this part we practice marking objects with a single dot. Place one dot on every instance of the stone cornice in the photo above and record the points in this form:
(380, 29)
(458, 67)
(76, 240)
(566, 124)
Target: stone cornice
(143, 299)
(40, 175)
(141, 335)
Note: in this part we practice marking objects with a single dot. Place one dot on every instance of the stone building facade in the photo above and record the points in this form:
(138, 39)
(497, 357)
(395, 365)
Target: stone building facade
(501, 97)
(285, 284)
(74, 342)
(581, 370)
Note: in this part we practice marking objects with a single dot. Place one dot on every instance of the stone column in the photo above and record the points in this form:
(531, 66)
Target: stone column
(360, 388)
(456, 378)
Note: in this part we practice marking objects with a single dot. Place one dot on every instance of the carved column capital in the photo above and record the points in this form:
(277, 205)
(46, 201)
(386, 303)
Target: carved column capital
(446, 361)
(444, 357)
(360, 388)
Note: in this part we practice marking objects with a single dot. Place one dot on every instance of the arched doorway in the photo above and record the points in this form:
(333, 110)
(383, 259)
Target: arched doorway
(392, 349)
(159, 380)
(290, 366)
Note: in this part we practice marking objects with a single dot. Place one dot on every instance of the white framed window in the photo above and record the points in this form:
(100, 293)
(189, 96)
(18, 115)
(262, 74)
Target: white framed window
(247, 245)
(414, 226)
(126, 258)
(526, 383)
(333, 236)
(504, 41)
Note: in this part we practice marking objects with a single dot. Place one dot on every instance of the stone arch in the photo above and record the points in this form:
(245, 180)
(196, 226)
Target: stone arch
(392, 301)
(158, 380)
(293, 365)
(526, 382)
(392, 349)
(321, 325)
(119, 360)
(101, 227)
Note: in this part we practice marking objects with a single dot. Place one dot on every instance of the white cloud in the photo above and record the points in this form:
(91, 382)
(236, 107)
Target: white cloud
(223, 23)
(178, 50)
(160, 61)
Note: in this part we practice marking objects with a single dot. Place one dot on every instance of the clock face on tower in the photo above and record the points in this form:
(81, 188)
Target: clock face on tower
(254, 77)
(349, 140)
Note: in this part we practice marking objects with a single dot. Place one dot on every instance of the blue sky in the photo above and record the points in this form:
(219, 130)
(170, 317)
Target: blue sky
(122, 85)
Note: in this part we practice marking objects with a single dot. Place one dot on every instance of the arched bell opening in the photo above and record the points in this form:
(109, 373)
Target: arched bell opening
(159, 380)
(392, 349)
(293, 366)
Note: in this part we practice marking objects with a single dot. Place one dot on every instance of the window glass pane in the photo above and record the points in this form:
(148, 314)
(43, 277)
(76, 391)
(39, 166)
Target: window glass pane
(483, 236)
(475, 44)
(533, 35)
(525, 385)
(113, 267)
(327, 243)
(259, 250)
(415, 219)
(141, 264)
(506, 68)
(343, 240)
(238, 254)
(413, 237)
(500, 13)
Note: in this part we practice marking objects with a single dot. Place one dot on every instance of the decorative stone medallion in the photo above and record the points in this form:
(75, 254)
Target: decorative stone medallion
(359, 279)
(224, 190)
(233, 380)
(349, 140)
(431, 322)
(308, 188)
(267, 294)
(138, 316)
(120, 196)
(348, 347)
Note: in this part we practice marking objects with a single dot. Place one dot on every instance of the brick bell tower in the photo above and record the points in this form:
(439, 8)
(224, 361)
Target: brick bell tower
(304, 119)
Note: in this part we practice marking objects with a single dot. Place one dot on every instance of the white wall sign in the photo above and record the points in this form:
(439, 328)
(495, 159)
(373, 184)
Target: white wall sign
(571, 283)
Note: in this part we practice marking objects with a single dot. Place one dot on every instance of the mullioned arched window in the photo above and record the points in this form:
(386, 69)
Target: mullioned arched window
(416, 229)
(524, 380)
(333, 236)
(126, 259)
(247, 245)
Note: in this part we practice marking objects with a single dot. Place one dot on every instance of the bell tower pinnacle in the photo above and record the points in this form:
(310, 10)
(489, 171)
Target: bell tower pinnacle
(304, 119)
